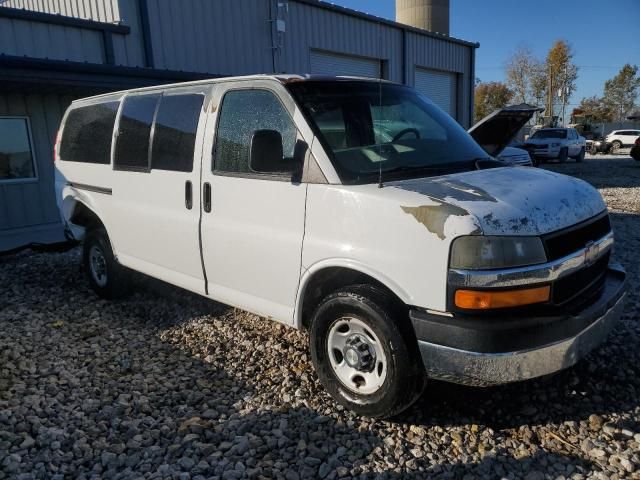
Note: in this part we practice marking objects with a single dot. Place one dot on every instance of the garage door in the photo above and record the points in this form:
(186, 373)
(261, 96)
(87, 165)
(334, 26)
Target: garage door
(440, 87)
(324, 63)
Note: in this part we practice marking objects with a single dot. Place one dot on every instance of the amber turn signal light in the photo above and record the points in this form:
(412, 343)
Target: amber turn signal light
(474, 300)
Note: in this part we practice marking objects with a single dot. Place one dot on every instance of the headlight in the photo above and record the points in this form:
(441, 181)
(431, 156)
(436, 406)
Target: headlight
(478, 252)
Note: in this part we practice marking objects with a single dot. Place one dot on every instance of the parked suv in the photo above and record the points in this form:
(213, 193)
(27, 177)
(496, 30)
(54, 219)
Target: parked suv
(353, 209)
(622, 138)
(560, 143)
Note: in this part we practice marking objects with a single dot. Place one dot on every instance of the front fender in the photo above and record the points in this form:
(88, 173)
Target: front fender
(346, 263)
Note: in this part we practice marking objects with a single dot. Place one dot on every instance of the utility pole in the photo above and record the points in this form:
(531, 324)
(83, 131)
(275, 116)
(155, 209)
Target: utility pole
(564, 94)
(550, 99)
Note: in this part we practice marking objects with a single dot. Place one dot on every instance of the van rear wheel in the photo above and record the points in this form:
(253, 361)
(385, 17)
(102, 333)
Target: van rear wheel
(106, 276)
(365, 353)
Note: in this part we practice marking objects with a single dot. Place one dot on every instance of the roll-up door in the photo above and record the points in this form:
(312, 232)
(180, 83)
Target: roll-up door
(324, 63)
(440, 87)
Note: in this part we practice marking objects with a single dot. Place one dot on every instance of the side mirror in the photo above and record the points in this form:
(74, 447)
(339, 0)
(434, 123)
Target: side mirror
(266, 153)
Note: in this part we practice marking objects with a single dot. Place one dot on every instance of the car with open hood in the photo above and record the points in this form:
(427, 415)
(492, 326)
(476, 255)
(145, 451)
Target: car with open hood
(353, 209)
(496, 131)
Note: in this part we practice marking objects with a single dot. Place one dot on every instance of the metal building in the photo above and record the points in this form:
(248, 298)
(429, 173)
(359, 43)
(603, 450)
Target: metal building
(52, 51)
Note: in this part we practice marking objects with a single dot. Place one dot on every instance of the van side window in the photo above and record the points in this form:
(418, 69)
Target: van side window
(242, 113)
(87, 133)
(174, 135)
(132, 144)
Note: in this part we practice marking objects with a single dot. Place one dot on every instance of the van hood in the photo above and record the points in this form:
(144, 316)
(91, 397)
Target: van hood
(509, 201)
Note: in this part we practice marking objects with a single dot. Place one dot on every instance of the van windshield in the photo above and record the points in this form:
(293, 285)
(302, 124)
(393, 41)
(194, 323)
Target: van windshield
(370, 128)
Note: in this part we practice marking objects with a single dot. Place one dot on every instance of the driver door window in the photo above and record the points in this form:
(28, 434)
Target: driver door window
(242, 113)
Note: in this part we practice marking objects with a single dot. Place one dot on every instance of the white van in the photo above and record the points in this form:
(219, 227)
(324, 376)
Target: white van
(353, 209)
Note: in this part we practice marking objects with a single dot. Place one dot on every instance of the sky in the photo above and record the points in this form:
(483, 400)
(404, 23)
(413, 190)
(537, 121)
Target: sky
(604, 34)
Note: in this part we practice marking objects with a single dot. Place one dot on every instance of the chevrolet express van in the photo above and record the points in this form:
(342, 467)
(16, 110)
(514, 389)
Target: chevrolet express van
(352, 209)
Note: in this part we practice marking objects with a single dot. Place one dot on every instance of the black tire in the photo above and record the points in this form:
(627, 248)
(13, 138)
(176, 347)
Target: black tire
(615, 146)
(110, 280)
(564, 154)
(580, 157)
(404, 379)
(635, 153)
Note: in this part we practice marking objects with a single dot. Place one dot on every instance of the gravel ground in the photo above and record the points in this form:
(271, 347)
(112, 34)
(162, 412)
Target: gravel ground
(168, 385)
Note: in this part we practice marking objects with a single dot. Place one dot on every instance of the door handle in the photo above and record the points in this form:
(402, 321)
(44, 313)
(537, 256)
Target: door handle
(206, 193)
(188, 195)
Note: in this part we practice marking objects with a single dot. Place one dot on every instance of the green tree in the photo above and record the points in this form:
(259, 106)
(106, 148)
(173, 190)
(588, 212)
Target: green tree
(621, 92)
(490, 96)
(594, 109)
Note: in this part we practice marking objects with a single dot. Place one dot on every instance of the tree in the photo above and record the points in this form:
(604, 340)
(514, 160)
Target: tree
(490, 96)
(539, 84)
(525, 76)
(594, 109)
(562, 75)
(621, 92)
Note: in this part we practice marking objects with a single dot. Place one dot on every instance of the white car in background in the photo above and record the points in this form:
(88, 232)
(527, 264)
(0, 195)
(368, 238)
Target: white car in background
(560, 143)
(622, 138)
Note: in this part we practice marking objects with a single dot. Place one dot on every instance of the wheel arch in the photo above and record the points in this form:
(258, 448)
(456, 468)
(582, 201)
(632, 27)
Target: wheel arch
(80, 212)
(327, 276)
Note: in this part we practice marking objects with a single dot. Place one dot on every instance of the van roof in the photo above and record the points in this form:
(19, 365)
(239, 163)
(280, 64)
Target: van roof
(282, 78)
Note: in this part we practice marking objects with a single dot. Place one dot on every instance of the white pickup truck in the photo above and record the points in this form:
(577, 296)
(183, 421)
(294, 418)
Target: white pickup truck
(353, 209)
(560, 143)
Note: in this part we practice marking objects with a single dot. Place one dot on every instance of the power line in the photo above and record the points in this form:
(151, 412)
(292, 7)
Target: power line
(607, 67)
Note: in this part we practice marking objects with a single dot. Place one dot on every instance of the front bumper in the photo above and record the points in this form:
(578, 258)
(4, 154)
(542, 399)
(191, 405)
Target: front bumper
(485, 352)
(546, 152)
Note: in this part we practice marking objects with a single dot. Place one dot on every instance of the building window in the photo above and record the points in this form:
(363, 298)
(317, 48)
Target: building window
(16, 151)
(242, 113)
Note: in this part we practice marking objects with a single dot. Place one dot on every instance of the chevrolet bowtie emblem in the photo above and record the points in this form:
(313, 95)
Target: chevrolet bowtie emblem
(591, 251)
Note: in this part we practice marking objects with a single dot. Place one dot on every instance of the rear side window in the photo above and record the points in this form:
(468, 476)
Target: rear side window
(242, 113)
(174, 137)
(87, 134)
(134, 130)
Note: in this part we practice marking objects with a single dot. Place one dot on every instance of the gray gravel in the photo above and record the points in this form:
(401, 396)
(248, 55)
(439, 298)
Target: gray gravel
(167, 385)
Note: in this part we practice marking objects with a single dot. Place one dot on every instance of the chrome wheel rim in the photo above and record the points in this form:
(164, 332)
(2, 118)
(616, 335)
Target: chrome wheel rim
(356, 356)
(98, 266)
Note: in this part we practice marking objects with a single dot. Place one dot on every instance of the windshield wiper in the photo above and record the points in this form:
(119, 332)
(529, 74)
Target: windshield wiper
(438, 170)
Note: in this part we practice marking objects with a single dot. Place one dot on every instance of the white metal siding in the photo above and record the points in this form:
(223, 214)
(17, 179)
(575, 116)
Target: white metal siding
(99, 10)
(325, 63)
(440, 87)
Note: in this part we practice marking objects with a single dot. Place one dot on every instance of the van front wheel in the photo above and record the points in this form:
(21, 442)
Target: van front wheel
(106, 276)
(363, 352)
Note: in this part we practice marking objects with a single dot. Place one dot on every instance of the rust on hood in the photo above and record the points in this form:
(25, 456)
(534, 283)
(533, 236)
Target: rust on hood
(434, 217)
